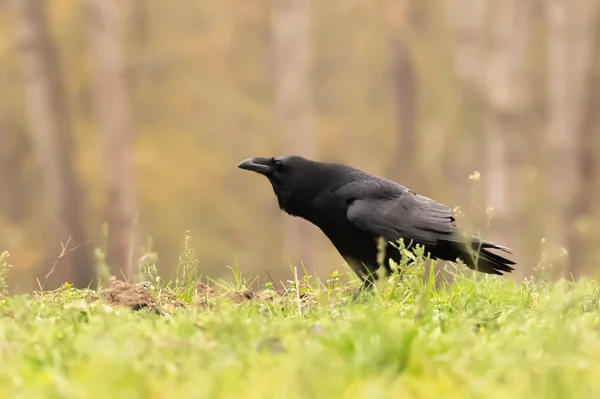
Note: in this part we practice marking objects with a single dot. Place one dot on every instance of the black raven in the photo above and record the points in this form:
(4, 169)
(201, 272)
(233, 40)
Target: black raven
(355, 209)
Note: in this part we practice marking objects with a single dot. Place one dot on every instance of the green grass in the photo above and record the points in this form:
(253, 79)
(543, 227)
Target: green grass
(477, 337)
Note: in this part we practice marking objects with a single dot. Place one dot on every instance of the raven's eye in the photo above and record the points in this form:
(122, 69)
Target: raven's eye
(278, 165)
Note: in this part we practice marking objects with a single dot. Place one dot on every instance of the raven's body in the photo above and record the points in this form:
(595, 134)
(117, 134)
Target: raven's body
(354, 209)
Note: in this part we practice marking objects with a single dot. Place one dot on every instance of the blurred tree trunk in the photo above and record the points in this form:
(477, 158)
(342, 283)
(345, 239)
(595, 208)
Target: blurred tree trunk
(468, 23)
(568, 42)
(293, 86)
(468, 19)
(507, 102)
(581, 209)
(491, 59)
(114, 116)
(405, 162)
(15, 151)
(138, 36)
(47, 106)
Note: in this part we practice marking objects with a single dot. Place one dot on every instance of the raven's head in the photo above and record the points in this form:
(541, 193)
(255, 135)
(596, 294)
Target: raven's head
(270, 167)
(296, 181)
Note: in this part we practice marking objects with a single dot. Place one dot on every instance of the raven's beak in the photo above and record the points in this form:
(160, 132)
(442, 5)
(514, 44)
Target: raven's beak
(258, 165)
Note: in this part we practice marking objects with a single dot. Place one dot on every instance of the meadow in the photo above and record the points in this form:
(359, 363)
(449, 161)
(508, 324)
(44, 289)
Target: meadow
(476, 336)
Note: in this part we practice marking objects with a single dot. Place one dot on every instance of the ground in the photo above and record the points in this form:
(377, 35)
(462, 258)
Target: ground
(477, 337)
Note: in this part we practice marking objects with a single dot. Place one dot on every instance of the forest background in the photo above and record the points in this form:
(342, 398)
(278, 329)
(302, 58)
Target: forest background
(135, 113)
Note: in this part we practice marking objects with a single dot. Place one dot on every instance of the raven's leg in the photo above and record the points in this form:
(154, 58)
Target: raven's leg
(367, 286)
(366, 274)
(388, 268)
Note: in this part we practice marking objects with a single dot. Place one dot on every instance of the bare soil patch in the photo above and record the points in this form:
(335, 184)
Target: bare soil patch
(120, 293)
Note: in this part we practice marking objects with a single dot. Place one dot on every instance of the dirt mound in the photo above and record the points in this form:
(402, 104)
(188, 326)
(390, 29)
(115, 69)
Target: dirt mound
(206, 296)
(120, 293)
(241, 296)
(210, 296)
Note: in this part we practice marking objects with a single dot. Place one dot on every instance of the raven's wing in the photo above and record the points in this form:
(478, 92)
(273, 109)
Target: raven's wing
(396, 212)
(405, 215)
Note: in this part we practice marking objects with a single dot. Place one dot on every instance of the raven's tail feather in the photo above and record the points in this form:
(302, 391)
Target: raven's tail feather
(475, 254)
(481, 259)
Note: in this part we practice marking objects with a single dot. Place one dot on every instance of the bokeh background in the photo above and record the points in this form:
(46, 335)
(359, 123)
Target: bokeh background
(135, 113)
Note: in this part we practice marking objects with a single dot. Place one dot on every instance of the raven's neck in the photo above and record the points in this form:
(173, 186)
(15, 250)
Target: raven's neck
(312, 202)
(293, 203)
